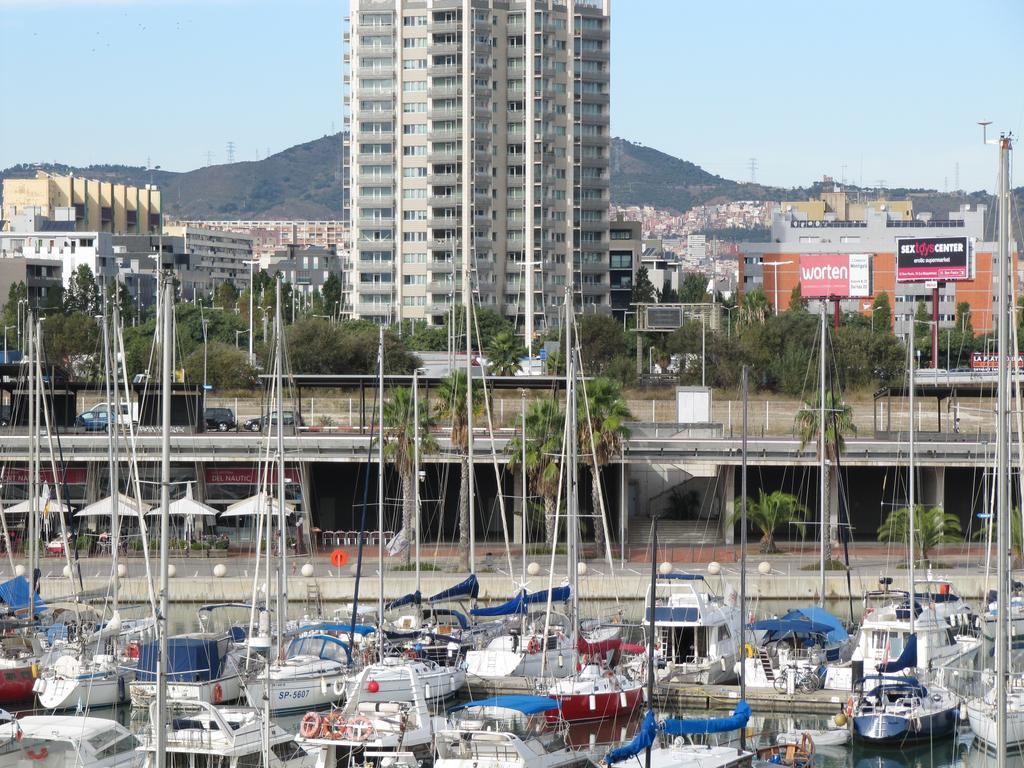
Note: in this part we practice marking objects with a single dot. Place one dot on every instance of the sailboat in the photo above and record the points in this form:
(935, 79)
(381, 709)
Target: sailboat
(311, 671)
(997, 716)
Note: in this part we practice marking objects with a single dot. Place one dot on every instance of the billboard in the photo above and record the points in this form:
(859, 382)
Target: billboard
(835, 275)
(986, 361)
(933, 258)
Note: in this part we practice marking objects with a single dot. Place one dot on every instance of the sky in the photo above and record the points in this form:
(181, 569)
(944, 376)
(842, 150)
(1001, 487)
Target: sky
(867, 92)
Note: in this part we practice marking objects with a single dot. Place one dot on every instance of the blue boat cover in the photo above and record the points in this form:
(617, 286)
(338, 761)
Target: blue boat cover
(329, 626)
(910, 685)
(413, 598)
(679, 576)
(189, 660)
(779, 627)
(527, 705)
(468, 588)
(449, 613)
(519, 603)
(688, 726)
(14, 593)
(837, 632)
(906, 660)
(643, 739)
(321, 646)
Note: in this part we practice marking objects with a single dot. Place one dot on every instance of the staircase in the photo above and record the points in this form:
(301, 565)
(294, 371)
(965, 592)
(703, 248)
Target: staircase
(674, 533)
(314, 607)
(766, 665)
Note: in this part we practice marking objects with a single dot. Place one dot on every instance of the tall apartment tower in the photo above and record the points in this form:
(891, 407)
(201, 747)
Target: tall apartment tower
(479, 139)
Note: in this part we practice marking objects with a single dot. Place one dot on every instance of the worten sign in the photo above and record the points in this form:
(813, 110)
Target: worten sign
(933, 258)
(835, 275)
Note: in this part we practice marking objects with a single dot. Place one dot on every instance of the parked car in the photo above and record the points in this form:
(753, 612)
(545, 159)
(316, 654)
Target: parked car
(127, 412)
(220, 419)
(92, 421)
(291, 419)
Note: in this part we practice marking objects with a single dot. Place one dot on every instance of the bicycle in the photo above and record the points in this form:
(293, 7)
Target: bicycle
(805, 680)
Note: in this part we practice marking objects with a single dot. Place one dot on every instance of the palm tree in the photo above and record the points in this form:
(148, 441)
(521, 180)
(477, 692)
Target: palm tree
(545, 422)
(503, 354)
(1017, 540)
(451, 406)
(754, 308)
(399, 447)
(932, 527)
(838, 423)
(605, 425)
(768, 513)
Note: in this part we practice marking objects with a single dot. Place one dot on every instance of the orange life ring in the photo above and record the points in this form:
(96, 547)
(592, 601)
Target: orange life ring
(333, 726)
(339, 558)
(360, 728)
(40, 755)
(309, 728)
(218, 693)
(132, 650)
(411, 654)
(533, 646)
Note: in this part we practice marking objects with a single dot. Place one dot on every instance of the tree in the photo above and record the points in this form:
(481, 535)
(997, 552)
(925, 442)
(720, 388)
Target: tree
(82, 295)
(504, 353)
(73, 342)
(226, 297)
(694, 289)
(838, 423)
(331, 294)
(316, 345)
(400, 433)
(922, 334)
(545, 423)
(668, 296)
(932, 527)
(226, 367)
(881, 312)
(986, 532)
(601, 340)
(796, 300)
(15, 294)
(754, 309)
(602, 417)
(125, 302)
(643, 289)
(451, 406)
(768, 514)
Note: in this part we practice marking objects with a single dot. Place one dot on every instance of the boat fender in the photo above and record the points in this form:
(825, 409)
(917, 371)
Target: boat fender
(309, 728)
(849, 707)
(40, 755)
(35, 669)
(323, 686)
(122, 689)
(39, 686)
(533, 646)
(218, 693)
(338, 688)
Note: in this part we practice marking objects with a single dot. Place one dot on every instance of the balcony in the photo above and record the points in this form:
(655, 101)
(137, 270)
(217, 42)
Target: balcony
(374, 267)
(375, 114)
(445, 179)
(372, 309)
(375, 288)
(445, 113)
(377, 158)
(445, 92)
(374, 180)
(444, 266)
(443, 201)
(444, 49)
(445, 71)
(446, 244)
(448, 135)
(444, 222)
(445, 27)
(375, 200)
(445, 156)
(438, 308)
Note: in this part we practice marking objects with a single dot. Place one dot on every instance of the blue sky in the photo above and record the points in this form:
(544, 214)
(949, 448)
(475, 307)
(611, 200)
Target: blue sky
(891, 91)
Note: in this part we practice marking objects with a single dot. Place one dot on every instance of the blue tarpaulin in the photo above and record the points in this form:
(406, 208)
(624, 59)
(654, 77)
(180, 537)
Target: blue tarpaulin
(836, 633)
(643, 739)
(329, 626)
(14, 593)
(519, 603)
(527, 705)
(679, 576)
(468, 588)
(692, 726)
(906, 660)
(189, 660)
(413, 598)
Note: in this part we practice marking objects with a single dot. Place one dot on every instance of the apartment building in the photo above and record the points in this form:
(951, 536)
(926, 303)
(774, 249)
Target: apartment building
(81, 205)
(269, 235)
(479, 152)
(215, 255)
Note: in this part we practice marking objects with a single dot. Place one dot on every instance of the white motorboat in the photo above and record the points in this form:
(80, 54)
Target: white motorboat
(200, 735)
(788, 653)
(897, 710)
(312, 674)
(368, 724)
(200, 668)
(981, 713)
(505, 732)
(67, 741)
(697, 633)
(821, 737)
(672, 744)
(390, 680)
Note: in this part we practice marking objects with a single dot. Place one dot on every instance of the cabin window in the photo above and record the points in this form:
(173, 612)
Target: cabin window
(128, 743)
(723, 632)
(289, 750)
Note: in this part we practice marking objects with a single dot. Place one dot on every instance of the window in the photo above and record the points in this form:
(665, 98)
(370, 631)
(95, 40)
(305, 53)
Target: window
(414, 86)
(414, 258)
(414, 194)
(414, 64)
(414, 107)
(414, 173)
(414, 129)
(417, 151)
(414, 279)
(621, 260)
(414, 237)
(414, 215)
(414, 21)
(414, 42)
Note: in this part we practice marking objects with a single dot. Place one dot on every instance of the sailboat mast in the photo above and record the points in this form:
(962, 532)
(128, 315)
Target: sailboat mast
(467, 275)
(1002, 453)
(651, 602)
(282, 541)
(33, 467)
(571, 449)
(166, 317)
(912, 486)
(822, 463)
(743, 551)
(380, 487)
(416, 467)
(522, 394)
(113, 411)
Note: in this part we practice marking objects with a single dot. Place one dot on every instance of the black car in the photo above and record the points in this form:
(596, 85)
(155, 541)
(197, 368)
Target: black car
(220, 419)
(291, 419)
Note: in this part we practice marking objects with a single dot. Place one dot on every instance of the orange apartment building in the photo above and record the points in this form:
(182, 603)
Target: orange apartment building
(835, 225)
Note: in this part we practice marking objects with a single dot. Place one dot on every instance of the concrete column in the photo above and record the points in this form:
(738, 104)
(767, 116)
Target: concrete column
(727, 497)
(933, 486)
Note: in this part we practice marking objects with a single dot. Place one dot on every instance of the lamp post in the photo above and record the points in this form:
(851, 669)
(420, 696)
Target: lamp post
(873, 310)
(239, 333)
(728, 318)
(206, 346)
(6, 329)
(251, 262)
(775, 265)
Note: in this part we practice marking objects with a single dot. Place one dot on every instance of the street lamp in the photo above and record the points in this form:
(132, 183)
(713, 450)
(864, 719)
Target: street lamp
(239, 333)
(728, 318)
(206, 346)
(251, 262)
(775, 265)
(6, 329)
(873, 310)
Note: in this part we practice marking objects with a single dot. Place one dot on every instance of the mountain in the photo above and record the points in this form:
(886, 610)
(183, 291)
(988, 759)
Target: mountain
(304, 182)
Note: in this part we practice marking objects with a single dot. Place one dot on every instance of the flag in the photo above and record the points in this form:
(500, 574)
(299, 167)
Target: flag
(398, 544)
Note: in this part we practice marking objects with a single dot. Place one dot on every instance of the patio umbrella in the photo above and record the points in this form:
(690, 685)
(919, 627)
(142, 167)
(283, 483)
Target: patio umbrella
(22, 507)
(256, 505)
(127, 507)
(188, 508)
